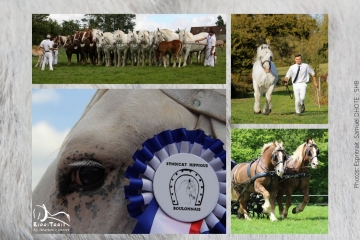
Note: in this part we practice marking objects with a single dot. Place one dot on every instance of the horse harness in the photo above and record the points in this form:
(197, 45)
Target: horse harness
(303, 174)
(257, 175)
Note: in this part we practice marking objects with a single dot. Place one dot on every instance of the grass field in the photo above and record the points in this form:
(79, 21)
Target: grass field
(194, 73)
(313, 220)
(283, 108)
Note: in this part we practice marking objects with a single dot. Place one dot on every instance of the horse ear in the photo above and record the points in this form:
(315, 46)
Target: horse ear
(307, 140)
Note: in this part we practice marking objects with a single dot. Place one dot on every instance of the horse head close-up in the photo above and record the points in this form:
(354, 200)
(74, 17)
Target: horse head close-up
(88, 177)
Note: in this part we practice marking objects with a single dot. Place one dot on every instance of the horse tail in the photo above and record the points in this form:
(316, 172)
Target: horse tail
(178, 52)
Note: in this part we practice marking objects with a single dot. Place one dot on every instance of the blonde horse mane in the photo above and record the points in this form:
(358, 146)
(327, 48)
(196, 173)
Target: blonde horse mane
(298, 154)
(268, 145)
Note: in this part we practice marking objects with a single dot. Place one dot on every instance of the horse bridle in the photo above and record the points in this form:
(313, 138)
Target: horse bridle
(273, 156)
(308, 153)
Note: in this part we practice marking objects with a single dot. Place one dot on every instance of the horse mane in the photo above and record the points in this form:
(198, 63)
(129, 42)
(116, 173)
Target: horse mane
(278, 146)
(298, 154)
(266, 146)
(167, 31)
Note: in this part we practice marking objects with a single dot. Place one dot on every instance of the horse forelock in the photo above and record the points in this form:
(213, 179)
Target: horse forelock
(262, 52)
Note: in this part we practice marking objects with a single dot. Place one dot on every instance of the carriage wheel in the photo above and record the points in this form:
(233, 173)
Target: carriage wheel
(234, 207)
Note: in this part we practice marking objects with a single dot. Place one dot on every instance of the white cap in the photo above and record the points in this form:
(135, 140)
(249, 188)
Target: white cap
(48, 36)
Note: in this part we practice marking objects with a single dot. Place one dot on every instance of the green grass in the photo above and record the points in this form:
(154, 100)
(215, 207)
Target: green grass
(313, 220)
(88, 74)
(283, 108)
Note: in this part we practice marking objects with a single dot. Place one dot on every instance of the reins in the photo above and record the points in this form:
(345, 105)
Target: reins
(290, 92)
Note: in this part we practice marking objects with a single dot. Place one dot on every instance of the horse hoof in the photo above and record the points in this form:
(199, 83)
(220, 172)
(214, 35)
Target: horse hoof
(240, 216)
(257, 112)
(294, 210)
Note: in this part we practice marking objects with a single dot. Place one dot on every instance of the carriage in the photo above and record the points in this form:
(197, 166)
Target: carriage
(254, 206)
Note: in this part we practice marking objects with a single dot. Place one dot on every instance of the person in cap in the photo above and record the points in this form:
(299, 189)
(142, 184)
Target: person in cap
(299, 74)
(48, 48)
(210, 48)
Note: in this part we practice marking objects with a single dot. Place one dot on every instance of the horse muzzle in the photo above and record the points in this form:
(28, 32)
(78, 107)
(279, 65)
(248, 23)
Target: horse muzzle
(279, 172)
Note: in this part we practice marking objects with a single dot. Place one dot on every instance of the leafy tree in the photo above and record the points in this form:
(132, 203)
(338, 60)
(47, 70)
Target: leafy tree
(220, 21)
(68, 27)
(110, 22)
(287, 34)
(40, 28)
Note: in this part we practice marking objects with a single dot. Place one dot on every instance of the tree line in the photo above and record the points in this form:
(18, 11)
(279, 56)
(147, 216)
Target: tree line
(287, 34)
(246, 144)
(42, 24)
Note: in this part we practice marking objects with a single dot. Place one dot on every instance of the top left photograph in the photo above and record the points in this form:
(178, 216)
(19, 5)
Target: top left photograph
(128, 48)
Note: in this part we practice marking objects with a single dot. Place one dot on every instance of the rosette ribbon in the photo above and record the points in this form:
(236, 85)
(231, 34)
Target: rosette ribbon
(142, 203)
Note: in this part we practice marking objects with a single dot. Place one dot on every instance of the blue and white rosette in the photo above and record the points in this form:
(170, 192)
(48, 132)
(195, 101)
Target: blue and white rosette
(178, 184)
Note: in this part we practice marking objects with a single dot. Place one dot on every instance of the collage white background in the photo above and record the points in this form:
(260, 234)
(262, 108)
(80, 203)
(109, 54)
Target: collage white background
(15, 103)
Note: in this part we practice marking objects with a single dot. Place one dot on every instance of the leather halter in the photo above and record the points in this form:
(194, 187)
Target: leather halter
(269, 61)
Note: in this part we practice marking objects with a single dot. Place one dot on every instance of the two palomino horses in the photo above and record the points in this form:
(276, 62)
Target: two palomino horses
(272, 175)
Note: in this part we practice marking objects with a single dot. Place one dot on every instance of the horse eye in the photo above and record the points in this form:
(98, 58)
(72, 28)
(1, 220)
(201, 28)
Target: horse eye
(89, 176)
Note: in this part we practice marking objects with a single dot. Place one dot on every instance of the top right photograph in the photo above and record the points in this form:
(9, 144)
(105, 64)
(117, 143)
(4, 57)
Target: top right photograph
(279, 69)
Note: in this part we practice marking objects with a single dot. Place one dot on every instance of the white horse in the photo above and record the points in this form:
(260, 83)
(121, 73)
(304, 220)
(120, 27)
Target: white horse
(108, 44)
(144, 43)
(132, 39)
(265, 77)
(97, 34)
(152, 57)
(121, 47)
(87, 178)
(190, 46)
(165, 35)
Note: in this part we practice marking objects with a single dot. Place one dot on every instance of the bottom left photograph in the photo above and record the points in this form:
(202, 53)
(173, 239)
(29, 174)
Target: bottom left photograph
(129, 161)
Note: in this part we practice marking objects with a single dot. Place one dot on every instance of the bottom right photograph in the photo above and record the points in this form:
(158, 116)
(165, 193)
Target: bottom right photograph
(279, 181)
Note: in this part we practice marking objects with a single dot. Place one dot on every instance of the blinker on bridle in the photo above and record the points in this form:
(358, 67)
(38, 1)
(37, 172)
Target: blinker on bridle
(273, 156)
(308, 153)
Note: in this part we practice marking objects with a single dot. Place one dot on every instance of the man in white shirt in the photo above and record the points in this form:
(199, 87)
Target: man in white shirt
(299, 74)
(48, 56)
(210, 48)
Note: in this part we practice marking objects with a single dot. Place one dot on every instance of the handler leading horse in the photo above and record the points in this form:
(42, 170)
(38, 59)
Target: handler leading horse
(265, 77)
(297, 176)
(261, 176)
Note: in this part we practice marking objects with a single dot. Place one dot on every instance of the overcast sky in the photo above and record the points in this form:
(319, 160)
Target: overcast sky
(152, 21)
